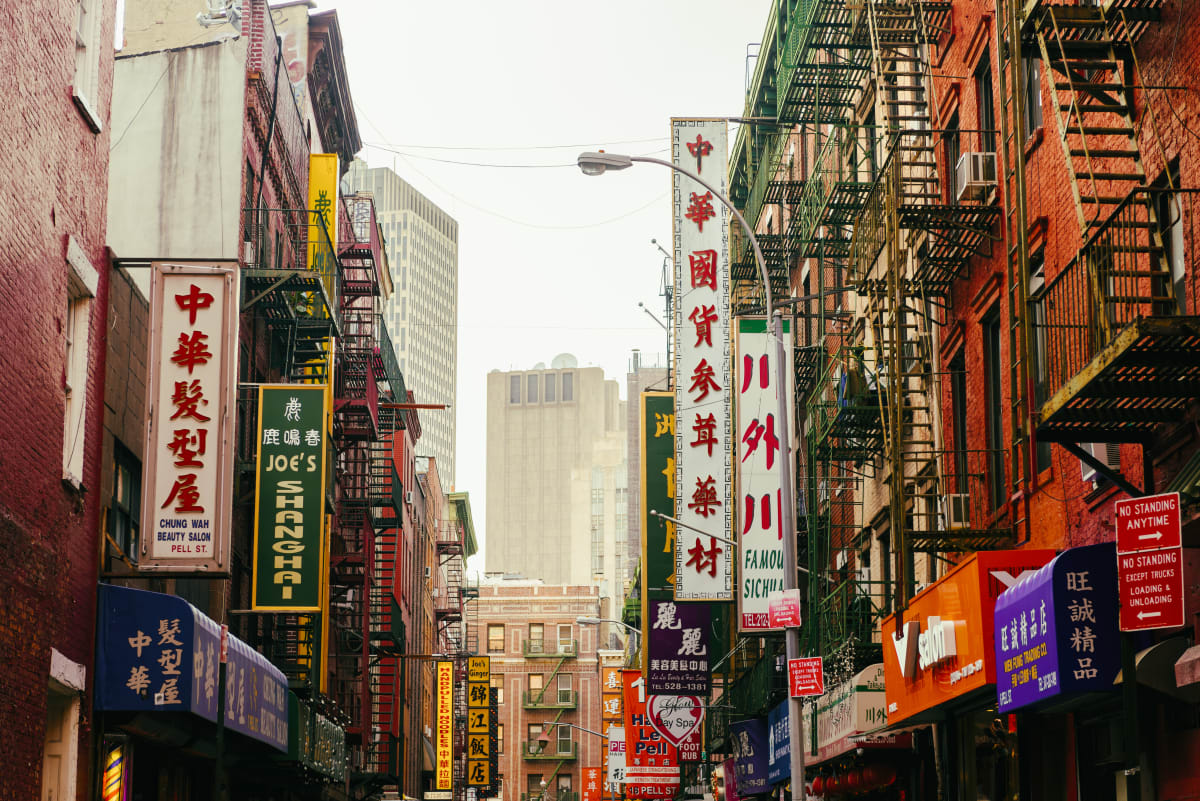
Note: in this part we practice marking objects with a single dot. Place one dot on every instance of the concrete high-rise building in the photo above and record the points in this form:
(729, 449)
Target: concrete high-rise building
(556, 476)
(422, 315)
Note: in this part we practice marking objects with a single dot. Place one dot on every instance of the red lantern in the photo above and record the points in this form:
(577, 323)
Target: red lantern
(854, 781)
(818, 786)
(835, 784)
(879, 775)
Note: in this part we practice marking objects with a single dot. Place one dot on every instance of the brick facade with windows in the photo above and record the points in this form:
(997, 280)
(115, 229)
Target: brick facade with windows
(55, 165)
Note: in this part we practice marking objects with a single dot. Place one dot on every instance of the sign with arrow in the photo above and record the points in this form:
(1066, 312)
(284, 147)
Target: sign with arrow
(1150, 562)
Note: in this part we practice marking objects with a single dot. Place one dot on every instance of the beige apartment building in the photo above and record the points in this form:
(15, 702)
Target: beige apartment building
(546, 669)
(557, 492)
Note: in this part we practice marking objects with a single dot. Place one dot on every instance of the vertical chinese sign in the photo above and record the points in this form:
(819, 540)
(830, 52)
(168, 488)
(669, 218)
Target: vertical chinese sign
(591, 784)
(445, 725)
(703, 564)
(479, 721)
(651, 763)
(678, 646)
(658, 494)
(610, 715)
(289, 501)
(186, 506)
(759, 451)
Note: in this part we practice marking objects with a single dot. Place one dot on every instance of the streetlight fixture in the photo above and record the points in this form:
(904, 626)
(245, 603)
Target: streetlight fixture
(599, 163)
(596, 621)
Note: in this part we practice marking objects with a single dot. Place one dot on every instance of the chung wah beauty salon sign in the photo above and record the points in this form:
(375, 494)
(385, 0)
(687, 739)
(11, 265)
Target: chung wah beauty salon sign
(190, 396)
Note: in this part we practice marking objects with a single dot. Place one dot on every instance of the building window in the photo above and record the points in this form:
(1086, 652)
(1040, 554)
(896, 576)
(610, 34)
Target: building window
(564, 747)
(82, 281)
(565, 641)
(498, 689)
(564, 687)
(499, 738)
(495, 638)
(958, 419)
(537, 682)
(568, 387)
(514, 389)
(537, 638)
(60, 746)
(953, 147)
(531, 391)
(1170, 224)
(993, 414)
(85, 86)
(1037, 284)
(985, 101)
(533, 781)
(1033, 95)
(124, 511)
(551, 387)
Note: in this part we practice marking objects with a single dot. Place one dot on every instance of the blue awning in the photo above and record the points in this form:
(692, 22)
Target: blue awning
(158, 653)
(1056, 630)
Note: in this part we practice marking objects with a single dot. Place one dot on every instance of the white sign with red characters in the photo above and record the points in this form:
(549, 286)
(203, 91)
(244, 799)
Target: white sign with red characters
(703, 474)
(190, 397)
(759, 485)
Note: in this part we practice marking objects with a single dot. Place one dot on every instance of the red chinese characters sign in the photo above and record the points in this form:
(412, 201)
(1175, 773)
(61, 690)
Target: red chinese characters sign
(190, 408)
(759, 471)
(703, 564)
(651, 762)
(592, 784)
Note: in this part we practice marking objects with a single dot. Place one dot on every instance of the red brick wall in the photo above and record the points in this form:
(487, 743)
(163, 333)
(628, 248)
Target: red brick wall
(55, 169)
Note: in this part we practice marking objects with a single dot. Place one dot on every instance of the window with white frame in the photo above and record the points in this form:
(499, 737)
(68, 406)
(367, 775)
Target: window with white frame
(86, 84)
(60, 746)
(82, 280)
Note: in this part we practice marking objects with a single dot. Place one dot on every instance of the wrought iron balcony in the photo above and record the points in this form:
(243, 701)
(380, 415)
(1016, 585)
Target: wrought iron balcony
(549, 699)
(549, 649)
(553, 750)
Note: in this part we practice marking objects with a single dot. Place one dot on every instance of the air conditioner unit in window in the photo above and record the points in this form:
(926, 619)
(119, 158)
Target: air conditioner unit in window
(956, 511)
(974, 175)
(1108, 453)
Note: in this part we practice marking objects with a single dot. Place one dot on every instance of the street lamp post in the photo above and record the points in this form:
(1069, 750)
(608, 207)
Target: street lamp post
(598, 164)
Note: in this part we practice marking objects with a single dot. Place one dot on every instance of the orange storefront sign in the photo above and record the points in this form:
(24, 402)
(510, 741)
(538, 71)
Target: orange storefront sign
(941, 647)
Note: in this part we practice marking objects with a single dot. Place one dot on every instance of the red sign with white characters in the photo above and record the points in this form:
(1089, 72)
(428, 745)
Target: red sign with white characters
(784, 608)
(806, 676)
(592, 784)
(651, 762)
(1147, 523)
(1151, 585)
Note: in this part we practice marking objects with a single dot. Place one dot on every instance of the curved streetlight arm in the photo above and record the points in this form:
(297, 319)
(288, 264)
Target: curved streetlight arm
(595, 621)
(550, 724)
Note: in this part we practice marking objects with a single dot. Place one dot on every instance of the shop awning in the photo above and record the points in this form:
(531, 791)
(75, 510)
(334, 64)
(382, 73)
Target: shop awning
(158, 653)
(1157, 667)
(1056, 629)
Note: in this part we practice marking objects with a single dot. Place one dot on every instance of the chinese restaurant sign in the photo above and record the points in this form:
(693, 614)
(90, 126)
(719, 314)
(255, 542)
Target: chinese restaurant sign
(479, 722)
(678, 645)
(157, 653)
(190, 396)
(941, 647)
(1056, 631)
(759, 451)
(703, 564)
(445, 725)
(651, 763)
(751, 755)
(289, 502)
(658, 493)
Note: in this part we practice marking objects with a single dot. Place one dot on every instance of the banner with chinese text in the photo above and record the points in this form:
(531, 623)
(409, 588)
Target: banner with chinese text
(445, 725)
(289, 498)
(759, 450)
(658, 493)
(479, 715)
(610, 716)
(750, 755)
(591, 784)
(678, 646)
(651, 765)
(190, 397)
(703, 564)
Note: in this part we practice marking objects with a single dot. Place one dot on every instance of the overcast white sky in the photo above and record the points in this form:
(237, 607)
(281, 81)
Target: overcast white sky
(550, 261)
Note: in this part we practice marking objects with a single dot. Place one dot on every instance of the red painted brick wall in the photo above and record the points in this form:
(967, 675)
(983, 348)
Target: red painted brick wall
(55, 172)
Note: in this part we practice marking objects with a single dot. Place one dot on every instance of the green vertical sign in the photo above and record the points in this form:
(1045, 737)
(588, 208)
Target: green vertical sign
(658, 494)
(289, 499)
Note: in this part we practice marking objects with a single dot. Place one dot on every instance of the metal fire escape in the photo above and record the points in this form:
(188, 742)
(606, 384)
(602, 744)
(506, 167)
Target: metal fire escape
(1105, 351)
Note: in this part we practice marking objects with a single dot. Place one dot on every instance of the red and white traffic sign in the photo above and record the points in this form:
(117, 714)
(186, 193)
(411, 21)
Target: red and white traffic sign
(806, 676)
(783, 608)
(1151, 585)
(1148, 523)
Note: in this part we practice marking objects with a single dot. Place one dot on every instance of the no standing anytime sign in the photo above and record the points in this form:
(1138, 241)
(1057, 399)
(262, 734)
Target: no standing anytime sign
(1150, 562)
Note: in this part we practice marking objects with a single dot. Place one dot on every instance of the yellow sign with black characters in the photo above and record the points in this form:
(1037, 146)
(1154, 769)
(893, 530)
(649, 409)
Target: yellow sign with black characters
(479, 721)
(479, 668)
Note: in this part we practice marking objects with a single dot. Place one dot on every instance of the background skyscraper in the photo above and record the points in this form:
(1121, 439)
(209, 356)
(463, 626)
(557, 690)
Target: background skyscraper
(422, 314)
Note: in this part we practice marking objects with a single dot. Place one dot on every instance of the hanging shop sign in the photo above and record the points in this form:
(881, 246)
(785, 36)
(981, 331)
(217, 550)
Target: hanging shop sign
(445, 725)
(729, 780)
(1056, 631)
(783, 609)
(479, 724)
(315, 741)
(806, 676)
(591, 784)
(678, 648)
(941, 647)
(678, 719)
(190, 410)
(616, 755)
(750, 755)
(651, 761)
(779, 759)
(289, 500)
(158, 653)
(703, 564)
(851, 715)
(658, 494)
(759, 480)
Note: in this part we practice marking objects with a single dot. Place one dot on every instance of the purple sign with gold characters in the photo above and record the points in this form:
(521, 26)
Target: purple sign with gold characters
(1056, 630)
(751, 755)
(677, 643)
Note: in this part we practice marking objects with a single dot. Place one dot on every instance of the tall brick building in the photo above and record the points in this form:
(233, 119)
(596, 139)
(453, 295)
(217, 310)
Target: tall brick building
(53, 298)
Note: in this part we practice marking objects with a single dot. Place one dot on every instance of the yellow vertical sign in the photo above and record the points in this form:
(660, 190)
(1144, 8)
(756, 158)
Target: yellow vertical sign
(445, 724)
(322, 244)
(479, 721)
